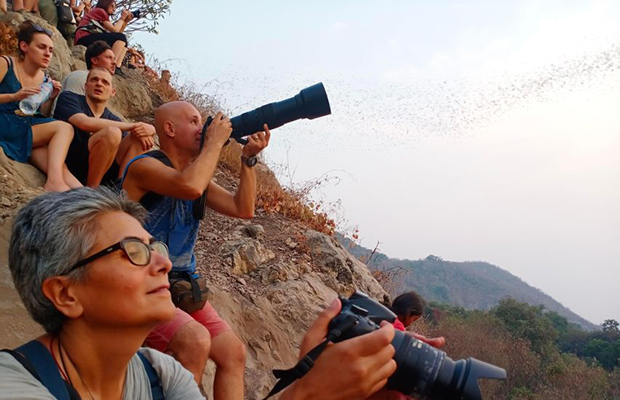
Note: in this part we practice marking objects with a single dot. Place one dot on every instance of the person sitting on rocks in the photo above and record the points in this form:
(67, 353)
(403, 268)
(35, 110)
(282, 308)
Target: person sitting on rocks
(100, 149)
(42, 141)
(166, 90)
(167, 183)
(80, 9)
(98, 55)
(96, 25)
(49, 12)
(96, 281)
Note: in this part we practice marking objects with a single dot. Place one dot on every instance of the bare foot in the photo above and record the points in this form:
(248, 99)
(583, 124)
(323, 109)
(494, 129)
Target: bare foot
(56, 186)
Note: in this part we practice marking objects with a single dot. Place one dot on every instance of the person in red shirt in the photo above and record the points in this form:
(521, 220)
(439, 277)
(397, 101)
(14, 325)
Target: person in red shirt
(96, 25)
(409, 307)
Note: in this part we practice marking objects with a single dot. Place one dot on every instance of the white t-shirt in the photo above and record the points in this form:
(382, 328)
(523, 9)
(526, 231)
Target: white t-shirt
(178, 383)
(75, 81)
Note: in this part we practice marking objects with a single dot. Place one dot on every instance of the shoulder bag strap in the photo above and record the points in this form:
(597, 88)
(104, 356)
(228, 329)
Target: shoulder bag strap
(156, 390)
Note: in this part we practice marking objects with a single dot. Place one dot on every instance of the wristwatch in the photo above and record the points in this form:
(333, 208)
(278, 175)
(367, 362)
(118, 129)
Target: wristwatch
(249, 161)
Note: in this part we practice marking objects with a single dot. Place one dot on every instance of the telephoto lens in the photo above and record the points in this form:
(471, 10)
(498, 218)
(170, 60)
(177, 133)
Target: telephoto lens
(310, 103)
(423, 372)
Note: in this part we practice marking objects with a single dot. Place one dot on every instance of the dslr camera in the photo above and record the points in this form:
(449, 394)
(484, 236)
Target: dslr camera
(136, 14)
(423, 372)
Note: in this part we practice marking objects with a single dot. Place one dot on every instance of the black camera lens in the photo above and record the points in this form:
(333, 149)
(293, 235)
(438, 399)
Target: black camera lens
(427, 373)
(310, 103)
(422, 371)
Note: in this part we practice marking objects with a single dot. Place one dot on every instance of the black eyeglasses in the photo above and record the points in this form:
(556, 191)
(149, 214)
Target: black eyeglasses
(41, 29)
(138, 252)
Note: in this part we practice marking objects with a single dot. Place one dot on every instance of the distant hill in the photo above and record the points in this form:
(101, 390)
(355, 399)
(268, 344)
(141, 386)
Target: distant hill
(470, 284)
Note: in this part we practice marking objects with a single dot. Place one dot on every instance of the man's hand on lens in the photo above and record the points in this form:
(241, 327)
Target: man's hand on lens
(218, 131)
(350, 370)
(257, 142)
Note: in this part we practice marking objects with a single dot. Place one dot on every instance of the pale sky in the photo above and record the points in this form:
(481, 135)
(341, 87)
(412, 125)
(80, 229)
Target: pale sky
(471, 130)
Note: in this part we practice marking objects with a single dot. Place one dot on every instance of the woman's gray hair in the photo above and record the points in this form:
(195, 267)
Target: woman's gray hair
(52, 233)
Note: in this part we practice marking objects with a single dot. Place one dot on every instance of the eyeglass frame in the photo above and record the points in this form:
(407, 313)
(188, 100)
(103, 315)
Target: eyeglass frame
(119, 246)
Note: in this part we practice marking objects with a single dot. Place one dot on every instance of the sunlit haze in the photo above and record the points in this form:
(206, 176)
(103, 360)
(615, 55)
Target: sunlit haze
(470, 130)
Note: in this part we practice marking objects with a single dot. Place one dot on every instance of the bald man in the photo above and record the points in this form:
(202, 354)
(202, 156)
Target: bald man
(166, 183)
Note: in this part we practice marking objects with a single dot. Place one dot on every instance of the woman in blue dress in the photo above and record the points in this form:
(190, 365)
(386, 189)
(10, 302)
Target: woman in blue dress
(42, 141)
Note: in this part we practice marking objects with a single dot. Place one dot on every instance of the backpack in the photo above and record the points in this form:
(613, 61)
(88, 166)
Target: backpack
(35, 357)
(65, 13)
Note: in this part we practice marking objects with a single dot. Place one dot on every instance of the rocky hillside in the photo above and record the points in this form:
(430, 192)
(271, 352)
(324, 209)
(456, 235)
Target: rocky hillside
(269, 277)
(471, 284)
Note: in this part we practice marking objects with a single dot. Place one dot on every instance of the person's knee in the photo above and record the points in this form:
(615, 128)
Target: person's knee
(111, 136)
(66, 128)
(235, 355)
(191, 342)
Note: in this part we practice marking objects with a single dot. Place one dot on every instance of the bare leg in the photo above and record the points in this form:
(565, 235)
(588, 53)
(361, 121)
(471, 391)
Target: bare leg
(129, 148)
(119, 48)
(103, 146)
(190, 346)
(31, 5)
(18, 5)
(38, 158)
(57, 136)
(3, 6)
(228, 353)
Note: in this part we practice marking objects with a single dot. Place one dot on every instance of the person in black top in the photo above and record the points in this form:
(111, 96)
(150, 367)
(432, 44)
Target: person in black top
(102, 143)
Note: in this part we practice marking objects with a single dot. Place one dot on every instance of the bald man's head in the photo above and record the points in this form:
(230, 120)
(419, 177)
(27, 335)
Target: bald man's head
(178, 124)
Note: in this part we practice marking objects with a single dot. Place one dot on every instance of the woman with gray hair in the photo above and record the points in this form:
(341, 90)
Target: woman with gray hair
(97, 282)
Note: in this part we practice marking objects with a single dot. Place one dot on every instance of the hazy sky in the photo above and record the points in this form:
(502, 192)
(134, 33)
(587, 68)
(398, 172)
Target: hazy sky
(471, 130)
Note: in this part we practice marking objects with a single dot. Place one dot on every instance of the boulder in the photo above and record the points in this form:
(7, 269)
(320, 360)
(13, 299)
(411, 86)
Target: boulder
(343, 272)
(246, 254)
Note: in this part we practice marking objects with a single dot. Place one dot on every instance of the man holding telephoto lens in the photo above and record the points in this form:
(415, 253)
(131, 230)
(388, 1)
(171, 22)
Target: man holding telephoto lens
(167, 183)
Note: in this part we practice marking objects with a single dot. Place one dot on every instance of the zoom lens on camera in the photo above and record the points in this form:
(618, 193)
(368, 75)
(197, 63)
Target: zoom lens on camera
(422, 371)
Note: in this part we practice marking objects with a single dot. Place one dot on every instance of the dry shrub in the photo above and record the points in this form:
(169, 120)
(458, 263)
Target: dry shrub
(571, 378)
(483, 338)
(391, 279)
(273, 198)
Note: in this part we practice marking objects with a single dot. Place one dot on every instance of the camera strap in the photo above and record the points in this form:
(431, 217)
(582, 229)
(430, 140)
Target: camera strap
(288, 376)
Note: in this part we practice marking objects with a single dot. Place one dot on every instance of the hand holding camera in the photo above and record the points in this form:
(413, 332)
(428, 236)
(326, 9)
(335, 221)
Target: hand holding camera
(257, 142)
(218, 131)
(421, 371)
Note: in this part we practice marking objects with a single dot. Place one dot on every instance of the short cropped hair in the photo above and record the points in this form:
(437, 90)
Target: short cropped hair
(95, 50)
(26, 32)
(90, 72)
(51, 234)
(408, 304)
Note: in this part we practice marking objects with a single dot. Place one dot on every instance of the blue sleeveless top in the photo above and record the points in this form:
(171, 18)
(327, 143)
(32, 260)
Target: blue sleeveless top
(16, 130)
(171, 221)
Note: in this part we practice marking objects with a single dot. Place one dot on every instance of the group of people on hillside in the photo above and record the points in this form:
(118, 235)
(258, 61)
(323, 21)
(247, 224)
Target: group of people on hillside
(94, 267)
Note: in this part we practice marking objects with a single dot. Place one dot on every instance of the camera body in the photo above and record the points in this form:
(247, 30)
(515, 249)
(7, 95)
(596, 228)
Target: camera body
(136, 14)
(422, 371)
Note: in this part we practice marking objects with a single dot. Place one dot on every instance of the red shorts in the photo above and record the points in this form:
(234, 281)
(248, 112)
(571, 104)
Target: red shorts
(160, 337)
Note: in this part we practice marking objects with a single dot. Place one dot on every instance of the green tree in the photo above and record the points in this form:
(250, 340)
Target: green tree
(151, 12)
(527, 322)
(611, 326)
